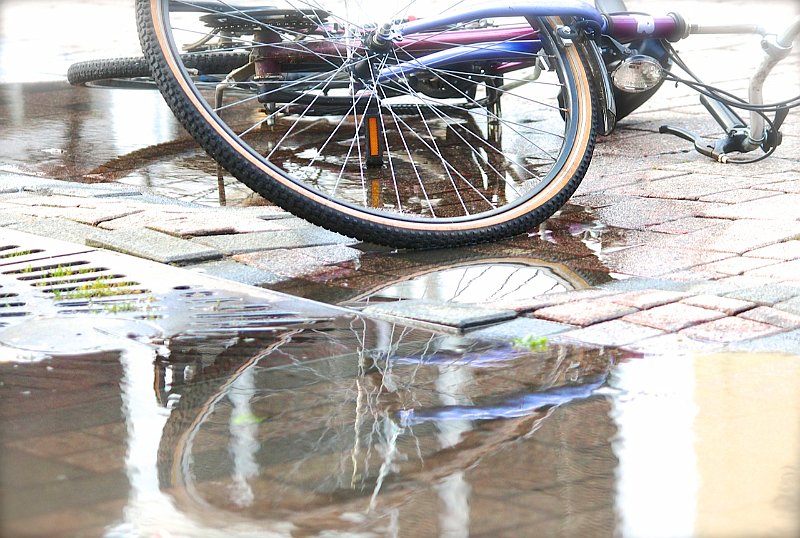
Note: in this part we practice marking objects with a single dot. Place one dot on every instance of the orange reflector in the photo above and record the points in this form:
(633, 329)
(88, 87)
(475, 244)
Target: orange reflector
(372, 127)
(375, 190)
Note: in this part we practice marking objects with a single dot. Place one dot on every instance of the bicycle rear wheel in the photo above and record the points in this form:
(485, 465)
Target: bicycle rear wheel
(97, 71)
(464, 152)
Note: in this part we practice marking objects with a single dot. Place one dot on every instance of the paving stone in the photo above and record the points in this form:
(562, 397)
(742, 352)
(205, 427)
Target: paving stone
(786, 250)
(673, 317)
(685, 187)
(649, 261)
(640, 284)
(687, 225)
(740, 236)
(254, 242)
(695, 276)
(729, 329)
(551, 299)
(723, 304)
(641, 213)
(286, 263)
(59, 228)
(460, 316)
(784, 206)
(735, 265)
(583, 313)
(191, 223)
(786, 342)
(648, 298)
(673, 344)
(766, 294)
(736, 196)
(154, 246)
(779, 271)
(791, 305)
(238, 272)
(8, 218)
(520, 328)
(792, 186)
(610, 333)
(599, 182)
(772, 316)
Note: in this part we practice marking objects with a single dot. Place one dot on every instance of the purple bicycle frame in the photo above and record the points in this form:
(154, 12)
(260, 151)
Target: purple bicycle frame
(514, 45)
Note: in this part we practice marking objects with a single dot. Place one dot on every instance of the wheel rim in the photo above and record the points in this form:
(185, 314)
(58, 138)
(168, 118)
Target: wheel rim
(453, 157)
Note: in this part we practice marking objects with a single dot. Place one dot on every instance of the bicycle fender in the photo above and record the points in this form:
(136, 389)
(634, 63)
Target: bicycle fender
(602, 84)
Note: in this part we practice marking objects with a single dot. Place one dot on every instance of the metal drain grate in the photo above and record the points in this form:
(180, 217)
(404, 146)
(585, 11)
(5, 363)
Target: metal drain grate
(43, 279)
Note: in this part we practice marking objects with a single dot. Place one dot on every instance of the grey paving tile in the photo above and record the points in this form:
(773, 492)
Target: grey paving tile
(461, 316)
(773, 316)
(254, 242)
(238, 272)
(154, 246)
(792, 305)
(59, 228)
(788, 342)
(610, 333)
(765, 295)
(520, 328)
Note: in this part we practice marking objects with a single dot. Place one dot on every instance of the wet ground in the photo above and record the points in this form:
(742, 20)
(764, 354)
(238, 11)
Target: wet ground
(630, 368)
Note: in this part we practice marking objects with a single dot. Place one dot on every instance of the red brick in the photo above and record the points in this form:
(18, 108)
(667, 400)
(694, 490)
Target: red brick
(730, 329)
(673, 317)
(648, 298)
(584, 313)
(723, 304)
(610, 333)
(772, 316)
(787, 250)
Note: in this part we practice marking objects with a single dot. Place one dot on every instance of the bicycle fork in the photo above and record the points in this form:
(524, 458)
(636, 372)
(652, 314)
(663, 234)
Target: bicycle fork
(738, 136)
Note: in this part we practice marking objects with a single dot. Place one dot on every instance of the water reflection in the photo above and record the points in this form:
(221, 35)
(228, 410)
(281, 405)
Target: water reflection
(366, 428)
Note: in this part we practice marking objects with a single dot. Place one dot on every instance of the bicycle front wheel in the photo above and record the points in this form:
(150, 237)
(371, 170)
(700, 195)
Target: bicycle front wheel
(467, 149)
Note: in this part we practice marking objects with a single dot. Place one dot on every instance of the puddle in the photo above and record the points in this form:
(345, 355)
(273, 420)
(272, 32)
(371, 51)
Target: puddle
(351, 427)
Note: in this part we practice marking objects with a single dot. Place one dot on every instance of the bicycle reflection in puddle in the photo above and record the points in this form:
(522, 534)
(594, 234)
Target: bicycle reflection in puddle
(310, 428)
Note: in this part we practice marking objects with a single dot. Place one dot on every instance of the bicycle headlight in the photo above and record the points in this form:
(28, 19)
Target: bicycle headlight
(637, 73)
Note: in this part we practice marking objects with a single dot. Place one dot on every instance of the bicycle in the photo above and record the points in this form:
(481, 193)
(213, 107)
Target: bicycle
(472, 125)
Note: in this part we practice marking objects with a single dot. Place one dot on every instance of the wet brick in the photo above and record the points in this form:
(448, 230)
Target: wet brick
(723, 304)
(610, 333)
(792, 306)
(787, 250)
(780, 271)
(772, 316)
(673, 317)
(519, 328)
(729, 329)
(687, 225)
(778, 343)
(766, 295)
(647, 261)
(735, 265)
(584, 313)
(238, 272)
(671, 344)
(740, 236)
(648, 298)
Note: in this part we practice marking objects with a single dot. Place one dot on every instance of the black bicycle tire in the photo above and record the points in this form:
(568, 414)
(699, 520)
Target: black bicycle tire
(393, 231)
(90, 71)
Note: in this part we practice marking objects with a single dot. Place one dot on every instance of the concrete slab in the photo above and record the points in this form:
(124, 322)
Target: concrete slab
(154, 246)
